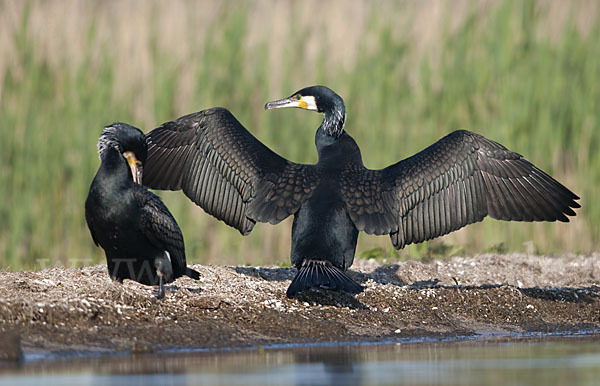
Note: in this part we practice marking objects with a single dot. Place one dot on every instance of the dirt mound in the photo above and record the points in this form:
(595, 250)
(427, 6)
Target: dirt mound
(82, 309)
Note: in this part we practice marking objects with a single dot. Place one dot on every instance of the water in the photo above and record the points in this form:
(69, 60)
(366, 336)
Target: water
(570, 360)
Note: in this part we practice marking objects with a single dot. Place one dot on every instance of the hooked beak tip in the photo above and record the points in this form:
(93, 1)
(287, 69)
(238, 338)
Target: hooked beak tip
(286, 102)
(135, 166)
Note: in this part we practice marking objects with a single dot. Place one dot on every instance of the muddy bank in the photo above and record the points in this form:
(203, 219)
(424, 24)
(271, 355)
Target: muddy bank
(81, 309)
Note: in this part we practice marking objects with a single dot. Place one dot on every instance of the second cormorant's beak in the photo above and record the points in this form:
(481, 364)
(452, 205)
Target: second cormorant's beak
(297, 100)
(135, 166)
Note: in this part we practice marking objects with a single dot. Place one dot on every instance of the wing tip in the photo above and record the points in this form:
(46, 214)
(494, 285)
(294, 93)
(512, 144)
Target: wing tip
(192, 273)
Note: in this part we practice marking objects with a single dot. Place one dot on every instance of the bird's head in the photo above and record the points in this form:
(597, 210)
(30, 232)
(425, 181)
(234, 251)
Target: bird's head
(321, 99)
(130, 142)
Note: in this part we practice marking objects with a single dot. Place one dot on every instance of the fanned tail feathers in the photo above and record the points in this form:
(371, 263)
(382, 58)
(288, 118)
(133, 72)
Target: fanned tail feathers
(320, 273)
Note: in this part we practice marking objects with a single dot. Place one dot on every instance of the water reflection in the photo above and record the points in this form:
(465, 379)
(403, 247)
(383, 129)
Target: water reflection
(499, 361)
(330, 365)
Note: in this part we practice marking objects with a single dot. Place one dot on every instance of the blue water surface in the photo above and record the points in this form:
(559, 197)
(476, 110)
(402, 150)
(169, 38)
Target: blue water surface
(538, 359)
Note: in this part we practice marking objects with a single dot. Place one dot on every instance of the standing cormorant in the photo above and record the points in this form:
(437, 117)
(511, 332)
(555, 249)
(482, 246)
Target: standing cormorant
(454, 182)
(139, 235)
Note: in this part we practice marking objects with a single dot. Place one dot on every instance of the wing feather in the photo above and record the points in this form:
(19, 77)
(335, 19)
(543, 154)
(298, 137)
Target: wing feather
(455, 182)
(225, 170)
(160, 228)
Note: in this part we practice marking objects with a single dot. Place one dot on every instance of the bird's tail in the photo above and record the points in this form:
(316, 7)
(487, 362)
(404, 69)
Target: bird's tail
(192, 273)
(320, 273)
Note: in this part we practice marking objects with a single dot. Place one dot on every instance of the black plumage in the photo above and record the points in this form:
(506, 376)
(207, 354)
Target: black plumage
(456, 181)
(139, 235)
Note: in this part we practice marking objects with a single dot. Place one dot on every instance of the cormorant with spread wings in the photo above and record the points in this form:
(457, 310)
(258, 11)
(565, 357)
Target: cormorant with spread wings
(456, 181)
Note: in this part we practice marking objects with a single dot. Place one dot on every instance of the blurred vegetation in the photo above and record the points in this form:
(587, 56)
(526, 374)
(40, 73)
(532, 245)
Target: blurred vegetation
(492, 74)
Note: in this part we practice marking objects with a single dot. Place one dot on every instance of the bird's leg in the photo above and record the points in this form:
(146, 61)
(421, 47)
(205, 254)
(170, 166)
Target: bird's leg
(161, 286)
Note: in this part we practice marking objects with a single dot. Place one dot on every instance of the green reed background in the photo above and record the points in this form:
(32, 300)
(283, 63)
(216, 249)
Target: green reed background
(510, 71)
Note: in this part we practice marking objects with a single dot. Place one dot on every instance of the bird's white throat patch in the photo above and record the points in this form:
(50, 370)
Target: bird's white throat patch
(311, 103)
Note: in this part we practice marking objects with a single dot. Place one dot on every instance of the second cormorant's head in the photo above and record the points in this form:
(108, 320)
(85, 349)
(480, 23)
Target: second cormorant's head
(321, 99)
(130, 142)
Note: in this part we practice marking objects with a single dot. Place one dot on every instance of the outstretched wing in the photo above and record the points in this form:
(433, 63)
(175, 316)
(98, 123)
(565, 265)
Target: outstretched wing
(161, 229)
(225, 170)
(454, 182)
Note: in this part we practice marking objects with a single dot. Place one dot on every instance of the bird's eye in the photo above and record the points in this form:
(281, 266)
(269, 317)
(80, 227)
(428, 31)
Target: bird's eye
(298, 97)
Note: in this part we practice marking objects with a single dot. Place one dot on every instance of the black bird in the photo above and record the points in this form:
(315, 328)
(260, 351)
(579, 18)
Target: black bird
(454, 182)
(139, 235)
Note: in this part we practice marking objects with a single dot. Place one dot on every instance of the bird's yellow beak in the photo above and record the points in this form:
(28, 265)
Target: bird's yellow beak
(135, 166)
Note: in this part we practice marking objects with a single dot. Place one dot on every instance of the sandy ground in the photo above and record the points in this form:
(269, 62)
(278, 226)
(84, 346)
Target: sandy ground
(59, 310)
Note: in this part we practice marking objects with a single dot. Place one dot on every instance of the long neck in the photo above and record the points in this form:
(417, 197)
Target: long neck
(331, 129)
(113, 170)
(336, 151)
(333, 122)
